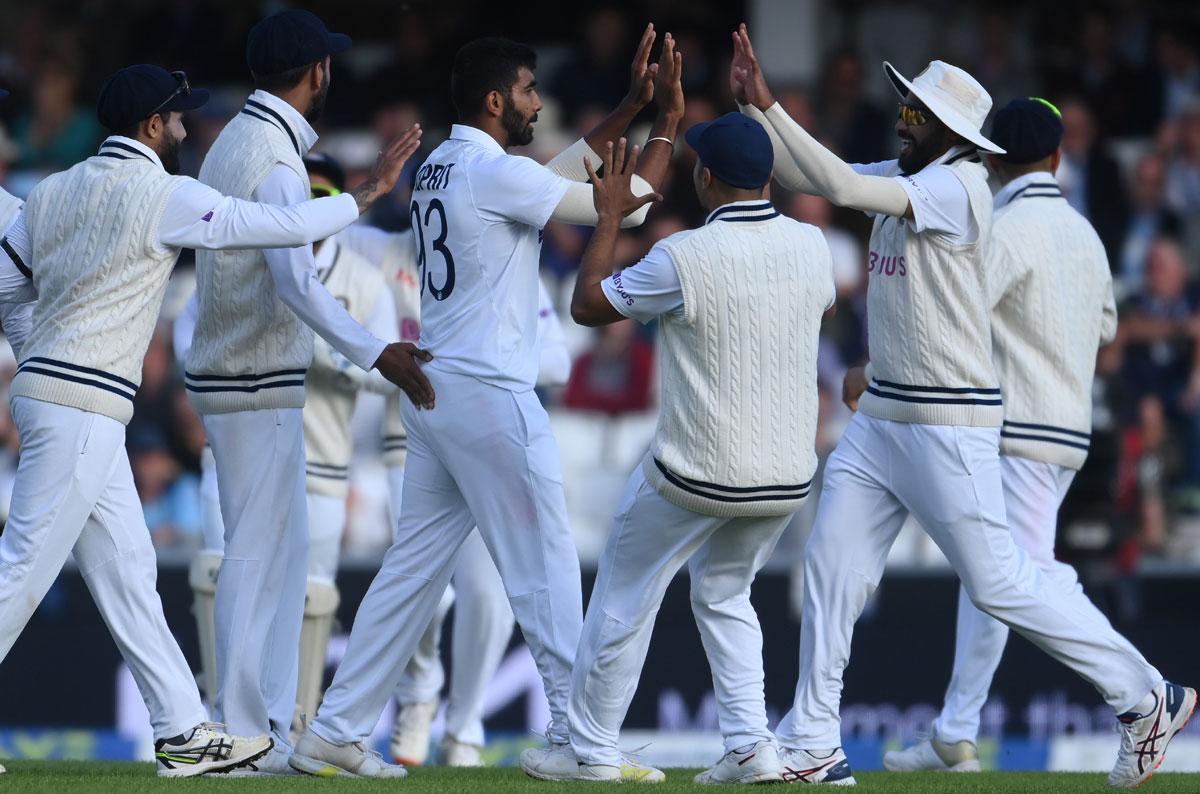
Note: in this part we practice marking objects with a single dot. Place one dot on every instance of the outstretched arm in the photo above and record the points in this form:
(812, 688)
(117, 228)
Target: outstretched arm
(825, 172)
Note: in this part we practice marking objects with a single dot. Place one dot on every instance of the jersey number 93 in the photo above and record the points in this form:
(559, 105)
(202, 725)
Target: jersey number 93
(422, 226)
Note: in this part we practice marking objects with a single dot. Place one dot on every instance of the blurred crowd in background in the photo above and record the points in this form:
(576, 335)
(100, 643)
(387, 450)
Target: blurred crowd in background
(1126, 76)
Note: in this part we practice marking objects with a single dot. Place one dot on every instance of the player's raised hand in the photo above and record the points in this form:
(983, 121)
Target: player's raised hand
(388, 165)
(668, 81)
(400, 362)
(612, 194)
(746, 79)
(641, 72)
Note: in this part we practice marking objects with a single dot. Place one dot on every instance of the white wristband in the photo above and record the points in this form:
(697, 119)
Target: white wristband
(668, 141)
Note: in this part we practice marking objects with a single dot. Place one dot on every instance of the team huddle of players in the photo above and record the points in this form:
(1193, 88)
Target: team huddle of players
(972, 414)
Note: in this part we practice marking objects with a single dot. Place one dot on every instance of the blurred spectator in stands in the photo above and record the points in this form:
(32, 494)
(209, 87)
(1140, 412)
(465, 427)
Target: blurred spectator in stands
(615, 377)
(853, 125)
(418, 73)
(1113, 88)
(392, 212)
(1181, 137)
(8, 153)
(155, 412)
(1001, 62)
(1179, 65)
(1161, 384)
(1150, 218)
(1090, 177)
(170, 499)
(58, 131)
(598, 71)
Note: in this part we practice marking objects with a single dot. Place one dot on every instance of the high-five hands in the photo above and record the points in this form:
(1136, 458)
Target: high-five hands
(388, 165)
(668, 79)
(612, 195)
(641, 72)
(746, 79)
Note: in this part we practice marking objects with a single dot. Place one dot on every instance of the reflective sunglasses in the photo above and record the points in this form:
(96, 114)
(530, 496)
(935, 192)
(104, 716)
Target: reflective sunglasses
(184, 88)
(323, 191)
(912, 116)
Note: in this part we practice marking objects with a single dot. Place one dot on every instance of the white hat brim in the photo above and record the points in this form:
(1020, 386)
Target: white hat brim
(945, 114)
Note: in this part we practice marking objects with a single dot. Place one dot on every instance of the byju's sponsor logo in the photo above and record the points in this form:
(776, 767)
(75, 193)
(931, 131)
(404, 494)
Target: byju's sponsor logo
(886, 265)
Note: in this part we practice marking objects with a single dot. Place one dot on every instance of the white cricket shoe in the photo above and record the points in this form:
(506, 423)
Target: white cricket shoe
(932, 754)
(315, 756)
(462, 754)
(2, 769)
(752, 763)
(1144, 737)
(273, 764)
(558, 762)
(830, 767)
(206, 749)
(410, 735)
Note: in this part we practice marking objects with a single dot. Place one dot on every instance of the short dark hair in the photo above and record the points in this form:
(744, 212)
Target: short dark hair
(281, 81)
(132, 130)
(483, 66)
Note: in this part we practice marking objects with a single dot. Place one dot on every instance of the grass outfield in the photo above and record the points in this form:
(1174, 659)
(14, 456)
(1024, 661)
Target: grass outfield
(130, 778)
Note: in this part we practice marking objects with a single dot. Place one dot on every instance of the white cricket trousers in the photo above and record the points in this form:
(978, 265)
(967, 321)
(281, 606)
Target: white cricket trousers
(650, 541)
(326, 520)
(1033, 492)
(483, 625)
(949, 479)
(260, 591)
(74, 491)
(484, 456)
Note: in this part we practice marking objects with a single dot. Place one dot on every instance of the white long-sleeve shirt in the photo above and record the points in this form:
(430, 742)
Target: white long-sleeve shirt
(196, 216)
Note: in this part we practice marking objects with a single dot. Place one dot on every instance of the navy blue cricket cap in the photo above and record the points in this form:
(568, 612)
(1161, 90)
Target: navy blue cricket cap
(138, 92)
(322, 164)
(735, 148)
(290, 39)
(1028, 130)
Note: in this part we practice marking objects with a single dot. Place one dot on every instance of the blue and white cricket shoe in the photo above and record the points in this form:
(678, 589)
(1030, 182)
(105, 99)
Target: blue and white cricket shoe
(1144, 737)
(830, 767)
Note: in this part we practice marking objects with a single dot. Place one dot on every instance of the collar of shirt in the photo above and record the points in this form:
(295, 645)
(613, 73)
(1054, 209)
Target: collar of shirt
(306, 136)
(325, 258)
(1033, 184)
(125, 148)
(463, 132)
(742, 211)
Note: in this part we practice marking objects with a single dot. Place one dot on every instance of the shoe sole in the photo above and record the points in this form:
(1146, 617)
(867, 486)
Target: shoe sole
(758, 779)
(216, 767)
(1163, 755)
(317, 768)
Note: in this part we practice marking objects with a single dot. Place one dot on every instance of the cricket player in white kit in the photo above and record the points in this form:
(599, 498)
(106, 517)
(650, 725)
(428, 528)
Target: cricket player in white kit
(1050, 293)
(925, 439)
(245, 369)
(96, 244)
(740, 301)
(483, 454)
(483, 620)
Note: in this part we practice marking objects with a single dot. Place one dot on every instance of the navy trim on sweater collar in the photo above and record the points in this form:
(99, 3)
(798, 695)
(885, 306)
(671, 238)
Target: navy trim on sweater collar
(743, 211)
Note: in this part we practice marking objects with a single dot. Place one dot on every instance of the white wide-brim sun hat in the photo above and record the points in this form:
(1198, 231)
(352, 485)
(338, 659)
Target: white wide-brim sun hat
(955, 97)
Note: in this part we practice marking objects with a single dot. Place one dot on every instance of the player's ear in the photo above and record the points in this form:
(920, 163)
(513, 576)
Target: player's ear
(493, 103)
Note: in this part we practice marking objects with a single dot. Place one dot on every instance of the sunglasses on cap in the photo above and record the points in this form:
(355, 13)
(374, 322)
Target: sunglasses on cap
(184, 88)
(324, 191)
(914, 116)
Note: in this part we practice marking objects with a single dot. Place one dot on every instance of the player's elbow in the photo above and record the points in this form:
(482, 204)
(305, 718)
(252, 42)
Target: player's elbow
(585, 312)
